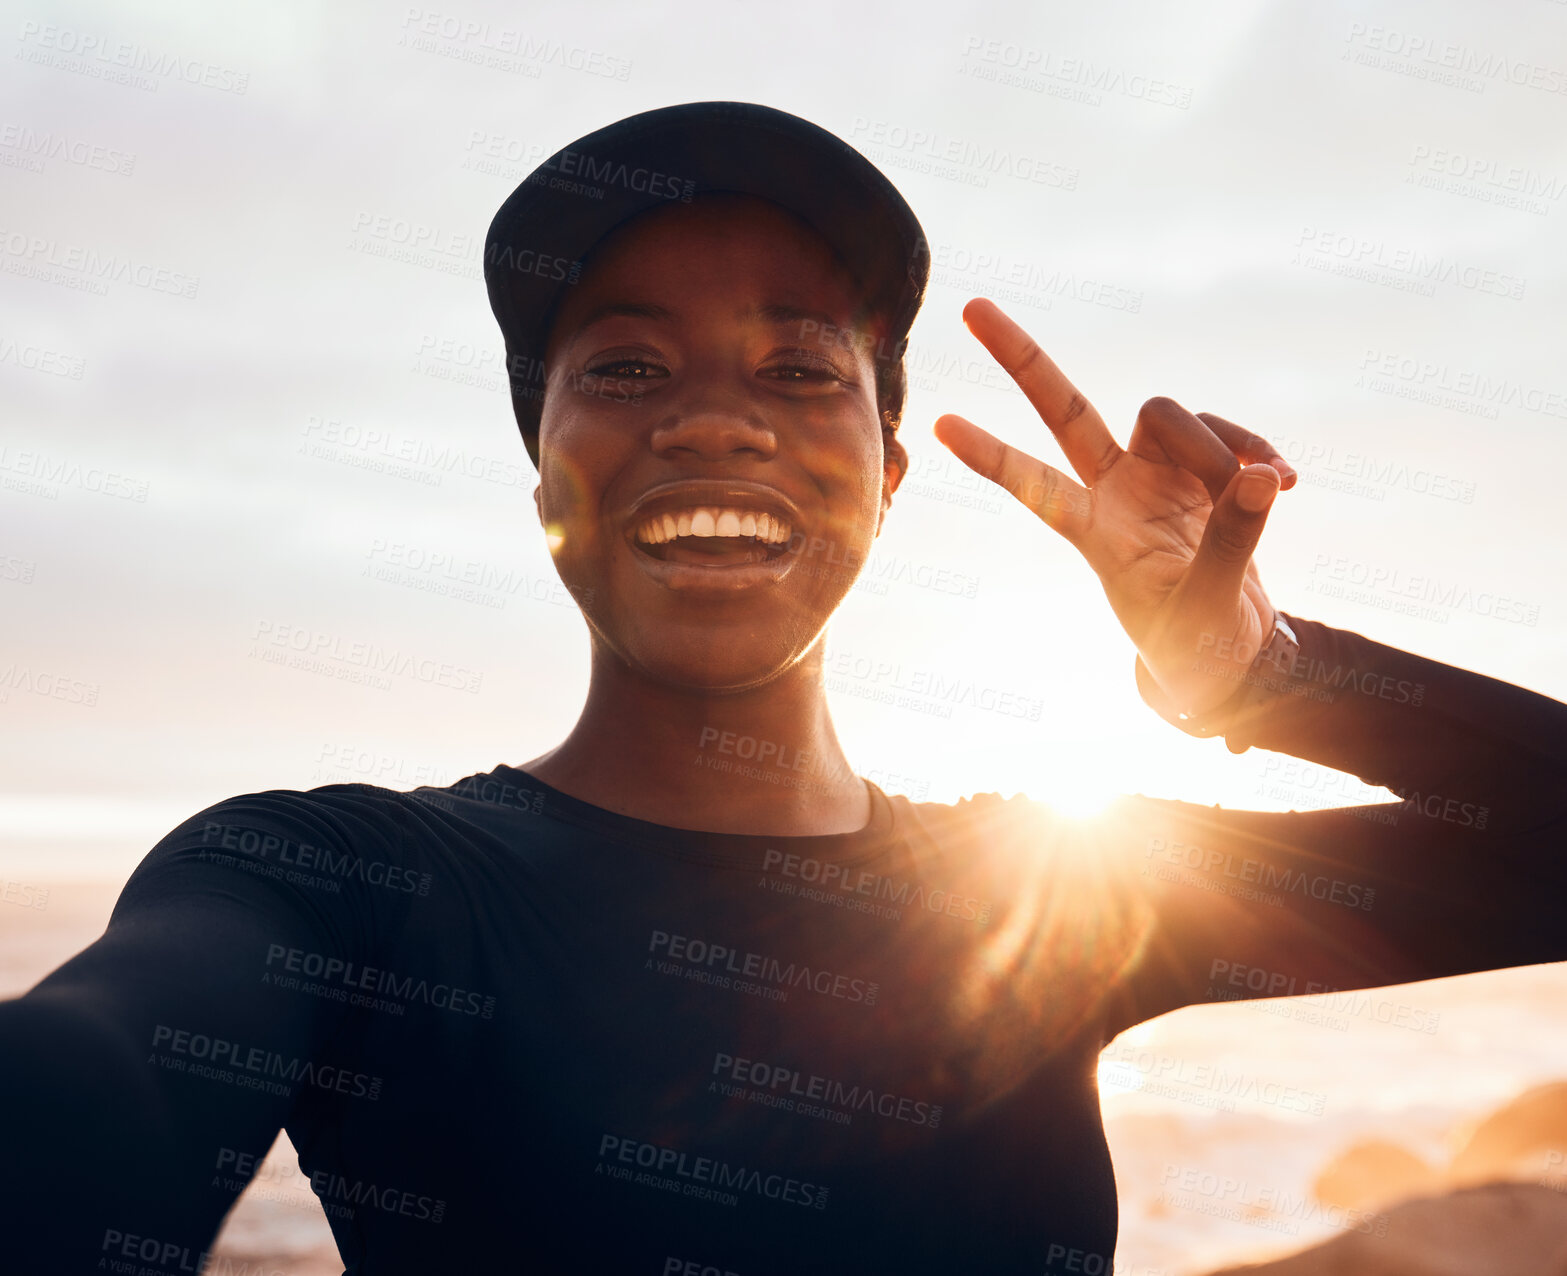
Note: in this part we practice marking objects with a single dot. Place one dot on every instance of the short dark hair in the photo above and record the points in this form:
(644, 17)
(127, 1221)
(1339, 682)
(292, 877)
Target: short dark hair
(892, 387)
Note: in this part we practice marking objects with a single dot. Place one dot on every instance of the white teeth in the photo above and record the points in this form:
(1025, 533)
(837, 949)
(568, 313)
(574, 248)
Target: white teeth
(712, 520)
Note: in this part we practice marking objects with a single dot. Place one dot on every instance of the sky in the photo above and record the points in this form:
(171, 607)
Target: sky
(253, 422)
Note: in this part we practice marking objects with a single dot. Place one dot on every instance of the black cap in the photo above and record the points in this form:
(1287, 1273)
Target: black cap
(538, 239)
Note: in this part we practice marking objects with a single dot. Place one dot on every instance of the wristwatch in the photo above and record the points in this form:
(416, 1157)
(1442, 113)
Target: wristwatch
(1268, 676)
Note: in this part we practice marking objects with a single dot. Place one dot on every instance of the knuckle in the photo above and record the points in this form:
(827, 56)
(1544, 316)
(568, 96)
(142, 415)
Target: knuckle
(1230, 544)
(1031, 353)
(1109, 456)
(1043, 492)
(1161, 405)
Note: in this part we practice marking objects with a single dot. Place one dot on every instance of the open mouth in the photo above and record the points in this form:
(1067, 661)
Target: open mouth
(713, 536)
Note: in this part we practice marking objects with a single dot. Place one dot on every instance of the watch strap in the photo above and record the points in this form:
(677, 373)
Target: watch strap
(1268, 676)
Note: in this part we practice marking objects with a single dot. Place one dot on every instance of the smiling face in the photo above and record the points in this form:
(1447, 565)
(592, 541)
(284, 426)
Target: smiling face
(711, 468)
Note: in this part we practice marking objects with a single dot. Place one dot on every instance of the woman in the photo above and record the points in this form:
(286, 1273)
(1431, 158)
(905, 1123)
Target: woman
(682, 995)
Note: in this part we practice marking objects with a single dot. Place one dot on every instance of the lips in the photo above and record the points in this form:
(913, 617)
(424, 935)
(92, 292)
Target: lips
(705, 534)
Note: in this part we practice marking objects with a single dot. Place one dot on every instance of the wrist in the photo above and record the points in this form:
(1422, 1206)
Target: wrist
(1267, 677)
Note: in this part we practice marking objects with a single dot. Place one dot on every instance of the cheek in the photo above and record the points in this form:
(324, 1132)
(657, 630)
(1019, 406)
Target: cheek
(573, 462)
(849, 529)
(859, 481)
(566, 506)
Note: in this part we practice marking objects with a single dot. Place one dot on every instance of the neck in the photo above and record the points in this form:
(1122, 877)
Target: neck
(763, 761)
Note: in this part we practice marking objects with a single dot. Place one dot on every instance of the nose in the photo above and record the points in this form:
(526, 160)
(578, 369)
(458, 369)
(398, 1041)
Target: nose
(714, 422)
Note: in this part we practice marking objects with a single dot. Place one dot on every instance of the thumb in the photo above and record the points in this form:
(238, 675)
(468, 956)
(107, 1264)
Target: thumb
(1213, 581)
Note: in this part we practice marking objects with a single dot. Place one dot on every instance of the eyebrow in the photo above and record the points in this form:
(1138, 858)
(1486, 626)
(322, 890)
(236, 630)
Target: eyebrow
(772, 312)
(633, 309)
(778, 313)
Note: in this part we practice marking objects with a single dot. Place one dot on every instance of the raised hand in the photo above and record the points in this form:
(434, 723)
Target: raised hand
(1168, 523)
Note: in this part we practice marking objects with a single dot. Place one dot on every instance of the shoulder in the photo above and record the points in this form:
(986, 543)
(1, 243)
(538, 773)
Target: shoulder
(280, 841)
(502, 791)
(1020, 834)
(342, 814)
(979, 815)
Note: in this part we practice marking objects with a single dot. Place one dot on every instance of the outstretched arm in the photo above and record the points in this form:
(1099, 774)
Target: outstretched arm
(144, 1072)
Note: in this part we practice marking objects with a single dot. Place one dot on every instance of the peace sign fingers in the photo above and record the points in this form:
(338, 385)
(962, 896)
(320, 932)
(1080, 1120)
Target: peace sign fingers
(1078, 427)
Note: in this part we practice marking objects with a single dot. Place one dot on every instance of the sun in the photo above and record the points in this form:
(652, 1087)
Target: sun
(1079, 798)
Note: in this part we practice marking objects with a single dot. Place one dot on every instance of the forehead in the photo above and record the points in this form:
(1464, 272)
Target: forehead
(718, 248)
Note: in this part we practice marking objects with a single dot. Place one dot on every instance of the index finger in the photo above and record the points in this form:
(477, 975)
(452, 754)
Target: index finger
(1078, 427)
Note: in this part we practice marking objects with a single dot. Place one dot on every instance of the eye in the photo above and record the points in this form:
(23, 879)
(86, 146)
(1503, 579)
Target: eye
(628, 368)
(802, 368)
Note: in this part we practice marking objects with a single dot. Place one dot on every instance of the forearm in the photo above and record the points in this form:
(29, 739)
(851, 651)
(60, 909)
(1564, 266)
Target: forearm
(94, 1151)
(1447, 738)
(147, 1067)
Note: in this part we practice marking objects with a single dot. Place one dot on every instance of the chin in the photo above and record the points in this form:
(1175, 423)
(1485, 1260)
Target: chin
(703, 674)
(707, 663)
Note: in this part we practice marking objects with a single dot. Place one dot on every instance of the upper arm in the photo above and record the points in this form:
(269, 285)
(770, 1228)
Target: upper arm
(1258, 904)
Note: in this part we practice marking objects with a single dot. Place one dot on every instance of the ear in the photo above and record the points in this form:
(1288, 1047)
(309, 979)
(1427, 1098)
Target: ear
(538, 502)
(895, 464)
